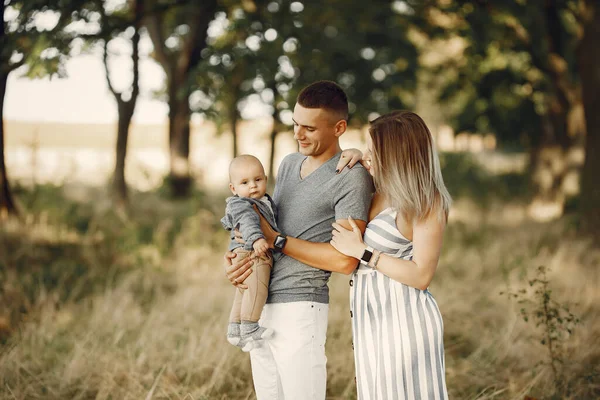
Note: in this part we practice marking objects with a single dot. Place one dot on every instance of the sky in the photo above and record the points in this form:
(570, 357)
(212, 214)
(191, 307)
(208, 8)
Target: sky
(84, 97)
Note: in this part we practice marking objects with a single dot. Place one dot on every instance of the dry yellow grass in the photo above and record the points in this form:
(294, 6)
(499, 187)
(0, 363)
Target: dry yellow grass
(157, 332)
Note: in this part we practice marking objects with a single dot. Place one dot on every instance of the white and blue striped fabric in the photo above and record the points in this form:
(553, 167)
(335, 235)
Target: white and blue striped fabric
(397, 329)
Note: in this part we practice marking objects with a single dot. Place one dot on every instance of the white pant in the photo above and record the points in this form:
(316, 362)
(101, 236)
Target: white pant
(292, 364)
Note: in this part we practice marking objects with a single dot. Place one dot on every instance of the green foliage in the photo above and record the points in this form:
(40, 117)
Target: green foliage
(372, 57)
(47, 202)
(178, 30)
(42, 48)
(273, 49)
(504, 80)
(466, 177)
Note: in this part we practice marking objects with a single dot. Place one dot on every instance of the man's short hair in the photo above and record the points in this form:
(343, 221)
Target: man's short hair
(327, 95)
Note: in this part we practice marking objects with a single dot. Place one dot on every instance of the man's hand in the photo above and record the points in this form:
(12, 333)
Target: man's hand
(237, 270)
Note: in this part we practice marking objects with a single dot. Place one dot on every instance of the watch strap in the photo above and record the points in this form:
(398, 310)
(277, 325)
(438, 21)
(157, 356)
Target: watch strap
(376, 259)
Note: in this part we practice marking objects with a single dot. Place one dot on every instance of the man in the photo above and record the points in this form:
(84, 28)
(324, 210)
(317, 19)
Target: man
(310, 195)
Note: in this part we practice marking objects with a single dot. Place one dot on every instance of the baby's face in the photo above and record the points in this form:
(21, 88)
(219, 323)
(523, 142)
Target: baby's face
(248, 180)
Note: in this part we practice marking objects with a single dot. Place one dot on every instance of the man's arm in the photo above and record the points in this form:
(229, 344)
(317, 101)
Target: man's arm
(317, 255)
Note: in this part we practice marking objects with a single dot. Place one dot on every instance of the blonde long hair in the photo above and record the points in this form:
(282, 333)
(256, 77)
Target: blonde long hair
(407, 167)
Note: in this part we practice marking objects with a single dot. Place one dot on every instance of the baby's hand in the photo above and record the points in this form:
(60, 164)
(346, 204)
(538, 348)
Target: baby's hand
(260, 247)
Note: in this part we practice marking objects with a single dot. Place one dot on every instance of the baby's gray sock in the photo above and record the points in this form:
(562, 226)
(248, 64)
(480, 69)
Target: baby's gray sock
(254, 331)
(234, 333)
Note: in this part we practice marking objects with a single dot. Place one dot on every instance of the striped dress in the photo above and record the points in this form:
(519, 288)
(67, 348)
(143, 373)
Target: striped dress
(397, 329)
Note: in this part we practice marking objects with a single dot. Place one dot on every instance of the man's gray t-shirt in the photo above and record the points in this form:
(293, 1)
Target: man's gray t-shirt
(307, 208)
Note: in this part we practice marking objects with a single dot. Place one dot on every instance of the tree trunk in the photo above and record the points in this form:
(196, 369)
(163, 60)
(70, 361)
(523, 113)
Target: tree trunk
(119, 182)
(179, 147)
(126, 108)
(233, 113)
(274, 131)
(179, 66)
(233, 120)
(550, 161)
(272, 151)
(555, 166)
(7, 204)
(589, 64)
(235, 81)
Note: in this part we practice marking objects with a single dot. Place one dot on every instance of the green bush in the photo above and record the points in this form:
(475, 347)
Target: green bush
(465, 177)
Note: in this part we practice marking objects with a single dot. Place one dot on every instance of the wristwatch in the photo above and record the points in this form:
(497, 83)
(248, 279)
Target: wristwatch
(280, 242)
(367, 254)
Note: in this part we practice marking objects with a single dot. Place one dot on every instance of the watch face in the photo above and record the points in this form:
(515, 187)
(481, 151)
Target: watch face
(366, 257)
(280, 242)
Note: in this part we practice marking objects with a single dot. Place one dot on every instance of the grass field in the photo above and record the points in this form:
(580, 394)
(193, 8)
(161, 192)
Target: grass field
(94, 306)
(60, 153)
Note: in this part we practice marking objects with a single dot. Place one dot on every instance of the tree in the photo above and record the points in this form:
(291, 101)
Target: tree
(267, 28)
(7, 204)
(40, 49)
(243, 61)
(589, 65)
(530, 73)
(517, 77)
(294, 44)
(179, 33)
(223, 77)
(372, 57)
(114, 24)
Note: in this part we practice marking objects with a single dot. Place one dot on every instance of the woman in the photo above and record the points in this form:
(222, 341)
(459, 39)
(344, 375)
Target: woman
(396, 324)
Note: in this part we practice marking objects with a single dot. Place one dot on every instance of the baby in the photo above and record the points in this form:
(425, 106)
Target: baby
(248, 183)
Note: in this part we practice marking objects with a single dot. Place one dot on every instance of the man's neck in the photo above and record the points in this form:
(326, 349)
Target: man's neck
(317, 161)
(312, 163)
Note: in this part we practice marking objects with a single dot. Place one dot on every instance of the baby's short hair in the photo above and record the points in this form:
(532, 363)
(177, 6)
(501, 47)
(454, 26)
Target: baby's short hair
(243, 158)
